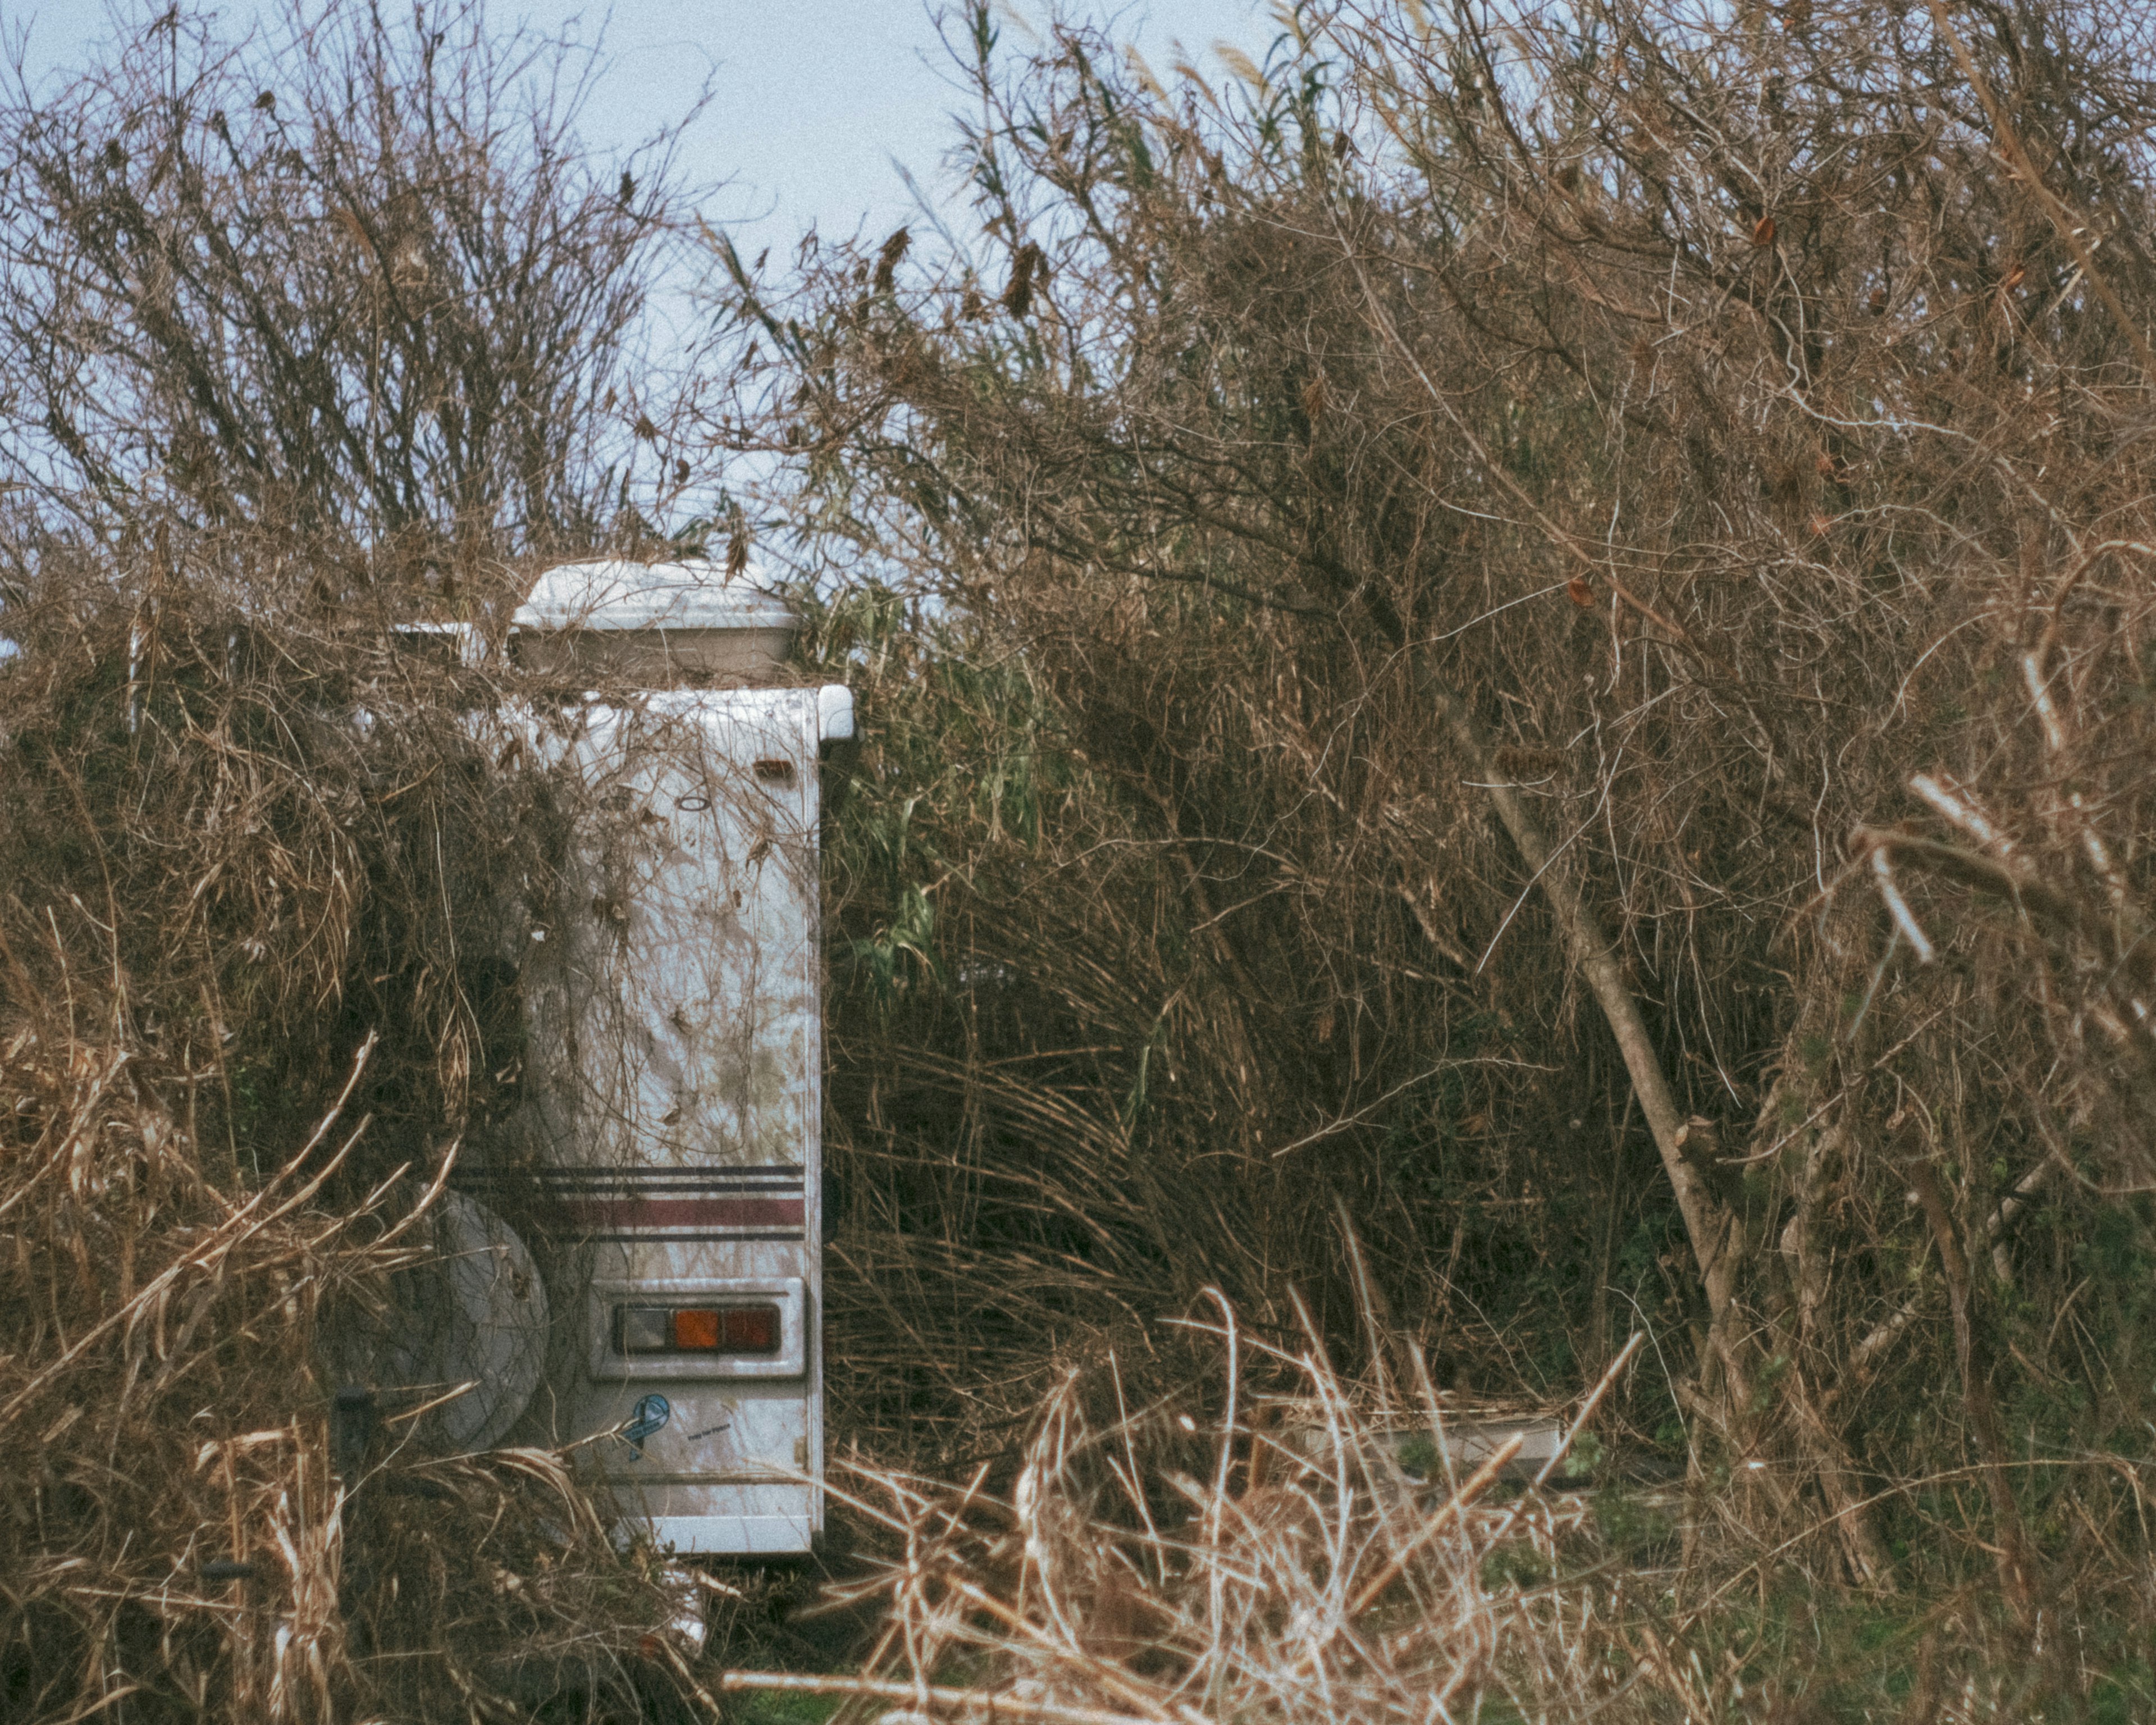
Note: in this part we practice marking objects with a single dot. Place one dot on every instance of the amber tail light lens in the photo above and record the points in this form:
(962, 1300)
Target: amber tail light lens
(697, 1332)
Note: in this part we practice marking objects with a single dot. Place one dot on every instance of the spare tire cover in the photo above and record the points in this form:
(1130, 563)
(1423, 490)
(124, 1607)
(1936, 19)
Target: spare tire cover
(490, 1326)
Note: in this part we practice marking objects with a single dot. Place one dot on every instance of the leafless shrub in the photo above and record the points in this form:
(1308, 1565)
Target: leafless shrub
(349, 282)
(253, 1011)
(1468, 525)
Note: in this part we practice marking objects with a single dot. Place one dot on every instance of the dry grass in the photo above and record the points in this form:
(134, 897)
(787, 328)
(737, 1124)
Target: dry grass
(1144, 1568)
(217, 890)
(1137, 1569)
(183, 1535)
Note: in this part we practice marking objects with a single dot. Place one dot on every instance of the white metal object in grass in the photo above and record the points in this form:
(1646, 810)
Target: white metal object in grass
(666, 1155)
(1469, 1436)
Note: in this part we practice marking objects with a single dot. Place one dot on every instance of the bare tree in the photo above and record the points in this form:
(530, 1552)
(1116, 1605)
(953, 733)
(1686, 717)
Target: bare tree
(345, 279)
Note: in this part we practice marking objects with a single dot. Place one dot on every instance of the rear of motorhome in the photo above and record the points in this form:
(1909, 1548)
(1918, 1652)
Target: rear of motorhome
(637, 1253)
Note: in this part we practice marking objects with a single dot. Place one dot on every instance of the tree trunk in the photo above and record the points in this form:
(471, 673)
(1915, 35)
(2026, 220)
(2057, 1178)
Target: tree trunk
(1707, 1219)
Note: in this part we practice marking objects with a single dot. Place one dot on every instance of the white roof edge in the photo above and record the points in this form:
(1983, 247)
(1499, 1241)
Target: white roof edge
(805, 698)
(614, 593)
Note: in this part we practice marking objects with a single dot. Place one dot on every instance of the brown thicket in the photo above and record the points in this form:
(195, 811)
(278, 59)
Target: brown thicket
(1538, 636)
(1508, 706)
(251, 1013)
(306, 339)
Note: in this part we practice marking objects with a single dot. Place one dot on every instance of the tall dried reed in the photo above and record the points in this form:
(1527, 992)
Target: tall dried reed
(1285, 1566)
(247, 1019)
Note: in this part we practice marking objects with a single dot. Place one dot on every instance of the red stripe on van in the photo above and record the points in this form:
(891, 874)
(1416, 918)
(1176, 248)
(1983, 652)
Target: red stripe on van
(629, 1213)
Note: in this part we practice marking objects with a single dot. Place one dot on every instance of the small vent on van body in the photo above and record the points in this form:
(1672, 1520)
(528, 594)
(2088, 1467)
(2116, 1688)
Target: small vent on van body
(775, 772)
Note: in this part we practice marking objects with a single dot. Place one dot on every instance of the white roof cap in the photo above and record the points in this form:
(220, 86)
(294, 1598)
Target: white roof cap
(620, 595)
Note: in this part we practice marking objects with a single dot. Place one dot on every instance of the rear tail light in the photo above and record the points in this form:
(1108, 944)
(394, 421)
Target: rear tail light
(642, 1329)
(750, 1329)
(696, 1329)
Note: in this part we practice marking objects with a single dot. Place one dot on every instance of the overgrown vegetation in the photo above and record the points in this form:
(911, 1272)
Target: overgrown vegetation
(252, 1019)
(1508, 665)
(1537, 633)
(282, 382)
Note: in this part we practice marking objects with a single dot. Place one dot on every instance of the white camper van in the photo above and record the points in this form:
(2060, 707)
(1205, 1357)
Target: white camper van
(640, 1257)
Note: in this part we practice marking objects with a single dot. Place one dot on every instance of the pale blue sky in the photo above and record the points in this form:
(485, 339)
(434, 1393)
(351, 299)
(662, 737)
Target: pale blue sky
(812, 101)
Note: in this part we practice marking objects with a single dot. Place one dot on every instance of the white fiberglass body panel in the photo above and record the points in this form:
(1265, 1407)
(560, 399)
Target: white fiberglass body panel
(672, 1114)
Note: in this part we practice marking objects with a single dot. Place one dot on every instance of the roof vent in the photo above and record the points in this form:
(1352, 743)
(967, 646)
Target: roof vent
(652, 624)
